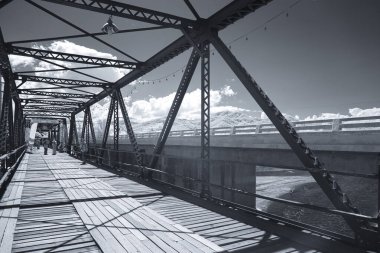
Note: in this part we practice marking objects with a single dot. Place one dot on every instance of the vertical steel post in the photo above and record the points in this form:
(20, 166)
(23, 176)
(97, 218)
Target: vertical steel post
(71, 133)
(116, 132)
(116, 125)
(11, 143)
(4, 119)
(205, 119)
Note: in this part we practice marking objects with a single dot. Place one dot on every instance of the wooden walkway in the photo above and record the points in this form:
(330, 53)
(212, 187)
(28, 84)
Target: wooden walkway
(55, 204)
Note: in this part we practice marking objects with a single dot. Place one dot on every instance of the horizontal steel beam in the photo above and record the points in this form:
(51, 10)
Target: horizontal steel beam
(53, 94)
(30, 78)
(49, 108)
(46, 54)
(50, 102)
(129, 11)
(46, 113)
(85, 35)
(44, 110)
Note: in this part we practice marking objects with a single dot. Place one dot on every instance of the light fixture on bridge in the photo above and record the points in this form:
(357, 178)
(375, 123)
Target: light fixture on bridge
(110, 27)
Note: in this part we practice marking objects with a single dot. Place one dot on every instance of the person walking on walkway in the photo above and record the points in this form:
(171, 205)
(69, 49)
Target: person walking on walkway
(38, 143)
(54, 146)
(46, 146)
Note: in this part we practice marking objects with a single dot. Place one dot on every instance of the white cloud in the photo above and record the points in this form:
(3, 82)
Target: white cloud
(353, 112)
(227, 91)
(158, 108)
(289, 117)
(326, 115)
(21, 61)
(357, 112)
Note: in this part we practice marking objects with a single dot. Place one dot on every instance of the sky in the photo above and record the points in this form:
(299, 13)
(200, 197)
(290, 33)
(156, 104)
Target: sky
(314, 58)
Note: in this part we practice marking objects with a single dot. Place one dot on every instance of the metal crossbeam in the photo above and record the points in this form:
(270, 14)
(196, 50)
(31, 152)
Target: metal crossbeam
(42, 114)
(51, 108)
(46, 54)
(54, 94)
(85, 35)
(51, 80)
(45, 111)
(205, 119)
(321, 175)
(181, 91)
(50, 102)
(128, 11)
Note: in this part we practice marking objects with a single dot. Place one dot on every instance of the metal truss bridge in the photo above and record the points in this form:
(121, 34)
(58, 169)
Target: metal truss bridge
(53, 203)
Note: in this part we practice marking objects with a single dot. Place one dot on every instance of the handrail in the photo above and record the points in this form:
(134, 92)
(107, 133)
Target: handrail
(369, 123)
(6, 156)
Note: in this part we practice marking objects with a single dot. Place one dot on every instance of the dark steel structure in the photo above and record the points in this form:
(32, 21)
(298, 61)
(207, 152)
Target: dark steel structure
(198, 34)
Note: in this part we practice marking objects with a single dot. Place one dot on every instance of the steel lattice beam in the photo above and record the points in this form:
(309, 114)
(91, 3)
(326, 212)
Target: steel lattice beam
(321, 175)
(47, 110)
(205, 119)
(50, 102)
(85, 35)
(181, 91)
(45, 54)
(116, 124)
(129, 11)
(54, 94)
(51, 80)
(46, 113)
(51, 108)
(4, 116)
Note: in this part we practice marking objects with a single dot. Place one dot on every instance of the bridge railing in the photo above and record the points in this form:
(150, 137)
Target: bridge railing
(371, 123)
(8, 165)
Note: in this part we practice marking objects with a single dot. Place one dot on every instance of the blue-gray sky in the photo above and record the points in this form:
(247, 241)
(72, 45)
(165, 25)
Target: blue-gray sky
(316, 56)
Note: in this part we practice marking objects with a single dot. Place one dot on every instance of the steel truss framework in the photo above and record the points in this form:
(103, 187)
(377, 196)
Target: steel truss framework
(54, 94)
(45, 54)
(197, 34)
(51, 80)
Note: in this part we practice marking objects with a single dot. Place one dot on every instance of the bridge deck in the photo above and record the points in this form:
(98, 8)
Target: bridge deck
(55, 204)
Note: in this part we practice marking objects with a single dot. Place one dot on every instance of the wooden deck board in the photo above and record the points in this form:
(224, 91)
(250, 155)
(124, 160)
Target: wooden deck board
(95, 216)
